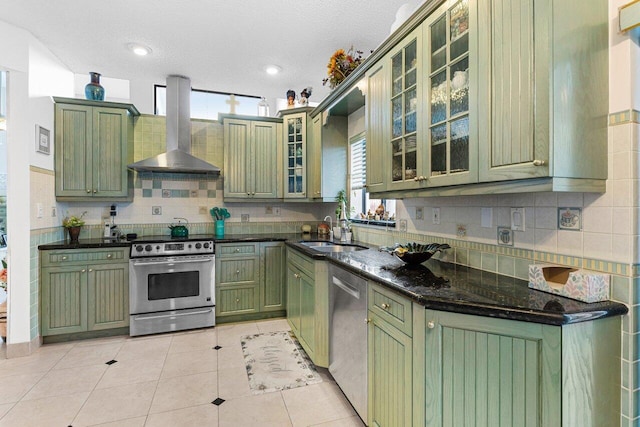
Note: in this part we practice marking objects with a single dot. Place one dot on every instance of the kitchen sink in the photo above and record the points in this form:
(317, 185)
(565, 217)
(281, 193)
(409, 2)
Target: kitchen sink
(333, 247)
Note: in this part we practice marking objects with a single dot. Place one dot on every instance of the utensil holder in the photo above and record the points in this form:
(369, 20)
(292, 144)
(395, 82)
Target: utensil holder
(219, 228)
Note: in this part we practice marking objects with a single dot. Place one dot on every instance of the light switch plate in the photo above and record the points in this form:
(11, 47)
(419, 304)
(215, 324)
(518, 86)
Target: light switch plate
(486, 217)
(517, 219)
(435, 215)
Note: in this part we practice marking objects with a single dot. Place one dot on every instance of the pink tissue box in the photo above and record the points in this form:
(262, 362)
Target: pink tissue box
(582, 285)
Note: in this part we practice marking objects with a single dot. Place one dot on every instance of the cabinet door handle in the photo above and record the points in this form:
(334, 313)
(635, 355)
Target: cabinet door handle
(83, 270)
(385, 306)
(431, 324)
(95, 191)
(237, 249)
(296, 275)
(539, 163)
(237, 299)
(64, 258)
(108, 255)
(237, 271)
(367, 320)
(88, 191)
(90, 270)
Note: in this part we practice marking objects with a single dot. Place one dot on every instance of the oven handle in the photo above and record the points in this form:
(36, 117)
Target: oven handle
(137, 263)
(163, 316)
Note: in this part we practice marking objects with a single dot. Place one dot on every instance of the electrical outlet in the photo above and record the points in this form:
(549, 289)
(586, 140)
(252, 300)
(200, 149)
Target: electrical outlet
(461, 230)
(435, 215)
(202, 210)
(54, 212)
(276, 211)
(156, 210)
(268, 210)
(517, 219)
(39, 210)
(244, 218)
(419, 213)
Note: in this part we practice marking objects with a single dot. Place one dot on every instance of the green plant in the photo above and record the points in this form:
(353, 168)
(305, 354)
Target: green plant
(341, 197)
(73, 220)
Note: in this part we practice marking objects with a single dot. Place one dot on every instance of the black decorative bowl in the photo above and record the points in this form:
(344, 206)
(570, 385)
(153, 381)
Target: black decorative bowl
(415, 253)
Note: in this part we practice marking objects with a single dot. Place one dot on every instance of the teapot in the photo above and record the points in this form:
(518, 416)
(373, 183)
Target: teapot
(179, 230)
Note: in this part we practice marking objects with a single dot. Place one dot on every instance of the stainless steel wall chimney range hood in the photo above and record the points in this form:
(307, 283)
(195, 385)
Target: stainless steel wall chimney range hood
(178, 156)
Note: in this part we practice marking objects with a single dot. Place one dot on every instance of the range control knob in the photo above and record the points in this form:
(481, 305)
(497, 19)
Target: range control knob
(158, 248)
(198, 245)
(189, 245)
(206, 246)
(139, 248)
(147, 248)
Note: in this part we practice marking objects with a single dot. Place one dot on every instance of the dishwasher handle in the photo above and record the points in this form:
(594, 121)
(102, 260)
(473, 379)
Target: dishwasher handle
(346, 287)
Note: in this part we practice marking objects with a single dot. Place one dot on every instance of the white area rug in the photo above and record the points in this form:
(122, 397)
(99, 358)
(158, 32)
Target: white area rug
(275, 361)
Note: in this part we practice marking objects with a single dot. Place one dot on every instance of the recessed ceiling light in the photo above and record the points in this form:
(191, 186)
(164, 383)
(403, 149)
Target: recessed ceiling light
(273, 69)
(139, 49)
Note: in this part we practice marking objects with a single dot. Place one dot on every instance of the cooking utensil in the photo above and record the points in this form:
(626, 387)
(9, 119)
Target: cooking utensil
(179, 229)
(219, 213)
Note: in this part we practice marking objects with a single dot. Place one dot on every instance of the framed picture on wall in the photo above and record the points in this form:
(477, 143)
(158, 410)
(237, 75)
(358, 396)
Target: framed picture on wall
(43, 140)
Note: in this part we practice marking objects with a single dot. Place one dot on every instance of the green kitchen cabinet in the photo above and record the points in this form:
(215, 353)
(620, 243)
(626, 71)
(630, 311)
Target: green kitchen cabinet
(272, 267)
(294, 127)
(327, 157)
(84, 290)
(250, 281)
(378, 121)
(93, 145)
(389, 358)
(553, 123)
(252, 158)
(308, 304)
(472, 370)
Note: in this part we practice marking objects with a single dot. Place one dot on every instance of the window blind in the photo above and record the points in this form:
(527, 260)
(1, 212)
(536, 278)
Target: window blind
(358, 164)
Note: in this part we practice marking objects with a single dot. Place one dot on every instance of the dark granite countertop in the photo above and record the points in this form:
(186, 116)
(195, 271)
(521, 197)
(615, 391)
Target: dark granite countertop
(445, 286)
(435, 284)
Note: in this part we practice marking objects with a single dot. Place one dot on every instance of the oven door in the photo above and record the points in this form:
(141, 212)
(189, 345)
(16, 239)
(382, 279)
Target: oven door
(171, 283)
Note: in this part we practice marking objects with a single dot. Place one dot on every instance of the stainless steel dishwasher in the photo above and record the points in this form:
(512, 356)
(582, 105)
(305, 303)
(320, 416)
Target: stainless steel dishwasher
(348, 336)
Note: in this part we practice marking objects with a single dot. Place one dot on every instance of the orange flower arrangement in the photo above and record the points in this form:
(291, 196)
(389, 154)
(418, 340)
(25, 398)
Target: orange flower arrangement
(340, 65)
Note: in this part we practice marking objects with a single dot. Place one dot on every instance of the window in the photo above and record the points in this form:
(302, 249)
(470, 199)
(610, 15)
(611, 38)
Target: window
(362, 207)
(207, 104)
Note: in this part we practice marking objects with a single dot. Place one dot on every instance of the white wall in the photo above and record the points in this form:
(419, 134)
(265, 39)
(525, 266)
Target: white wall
(34, 75)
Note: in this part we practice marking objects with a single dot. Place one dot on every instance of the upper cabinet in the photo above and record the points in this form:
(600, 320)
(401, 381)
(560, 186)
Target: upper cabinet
(252, 158)
(294, 126)
(506, 96)
(327, 157)
(545, 83)
(93, 145)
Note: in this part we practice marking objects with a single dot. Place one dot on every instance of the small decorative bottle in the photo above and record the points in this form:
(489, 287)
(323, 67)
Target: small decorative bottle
(93, 90)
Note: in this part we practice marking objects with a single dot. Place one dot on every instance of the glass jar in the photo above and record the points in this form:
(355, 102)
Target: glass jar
(263, 108)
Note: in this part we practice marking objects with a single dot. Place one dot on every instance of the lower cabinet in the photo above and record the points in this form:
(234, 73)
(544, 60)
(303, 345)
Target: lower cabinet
(84, 290)
(484, 371)
(308, 304)
(389, 358)
(250, 281)
(442, 369)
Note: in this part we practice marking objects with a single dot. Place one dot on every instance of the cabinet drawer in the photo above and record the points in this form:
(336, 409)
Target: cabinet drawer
(393, 308)
(237, 270)
(83, 256)
(237, 300)
(236, 249)
(302, 262)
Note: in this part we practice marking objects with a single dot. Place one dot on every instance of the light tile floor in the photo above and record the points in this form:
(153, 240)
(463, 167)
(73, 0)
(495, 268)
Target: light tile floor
(159, 380)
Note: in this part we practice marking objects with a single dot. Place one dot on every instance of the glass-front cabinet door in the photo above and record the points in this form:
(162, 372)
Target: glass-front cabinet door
(295, 133)
(451, 135)
(406, 163)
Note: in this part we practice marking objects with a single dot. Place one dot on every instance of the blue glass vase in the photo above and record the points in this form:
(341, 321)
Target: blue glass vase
(93, 90)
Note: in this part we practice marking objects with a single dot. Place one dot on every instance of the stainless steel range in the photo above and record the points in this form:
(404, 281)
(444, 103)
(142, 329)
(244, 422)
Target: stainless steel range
(171, 285)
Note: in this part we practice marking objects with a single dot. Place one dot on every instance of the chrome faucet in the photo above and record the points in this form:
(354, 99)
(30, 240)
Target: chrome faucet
(330, 226)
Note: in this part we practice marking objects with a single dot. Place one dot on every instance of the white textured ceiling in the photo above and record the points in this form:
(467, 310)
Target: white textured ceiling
(220, 45)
